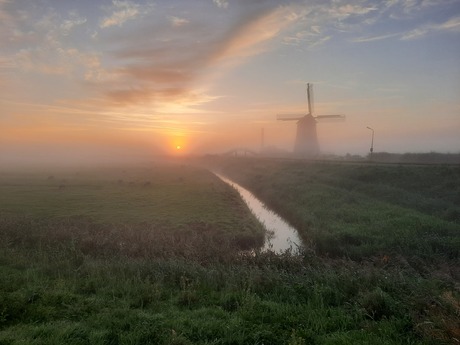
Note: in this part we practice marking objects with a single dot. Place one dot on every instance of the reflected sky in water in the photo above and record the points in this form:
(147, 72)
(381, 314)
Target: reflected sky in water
(281, 235)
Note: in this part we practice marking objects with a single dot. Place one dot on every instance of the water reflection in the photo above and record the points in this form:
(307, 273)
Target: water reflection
(281, 235)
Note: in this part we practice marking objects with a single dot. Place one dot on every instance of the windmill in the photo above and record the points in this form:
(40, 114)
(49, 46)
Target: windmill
(306, 142)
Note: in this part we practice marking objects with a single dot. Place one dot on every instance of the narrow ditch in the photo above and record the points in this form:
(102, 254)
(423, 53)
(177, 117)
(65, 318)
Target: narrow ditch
(280, 235)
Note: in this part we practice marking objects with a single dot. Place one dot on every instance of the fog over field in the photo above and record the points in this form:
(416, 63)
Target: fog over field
(131, 129)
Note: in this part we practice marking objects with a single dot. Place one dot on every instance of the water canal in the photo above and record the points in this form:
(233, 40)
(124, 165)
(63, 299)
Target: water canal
(280, 235)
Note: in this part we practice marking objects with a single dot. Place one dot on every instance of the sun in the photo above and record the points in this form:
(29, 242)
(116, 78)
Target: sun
(177, 144)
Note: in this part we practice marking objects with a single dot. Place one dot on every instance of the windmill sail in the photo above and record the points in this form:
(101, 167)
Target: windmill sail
(306, 142)
(326, 118)
(289, 117)
(311, 108)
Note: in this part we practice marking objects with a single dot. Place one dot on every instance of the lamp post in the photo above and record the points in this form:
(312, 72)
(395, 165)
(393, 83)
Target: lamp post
(372, 142)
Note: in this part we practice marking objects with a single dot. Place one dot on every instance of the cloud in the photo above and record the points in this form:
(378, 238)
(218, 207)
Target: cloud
(416, 33)
(406, 9)
(221, 3)
(121, 11)
(451, 25)
(4, 16)
(68, 24)
(165, 70)
(6, 63)
(374, 38)
(133, 66)
(41, 41)
(249, 38)
(139, 63)
(318, 22)
(352, 9)
(310, 38)
(176, 21)
(390, 3)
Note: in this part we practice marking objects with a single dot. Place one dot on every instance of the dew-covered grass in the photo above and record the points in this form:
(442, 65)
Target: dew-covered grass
(135, 275)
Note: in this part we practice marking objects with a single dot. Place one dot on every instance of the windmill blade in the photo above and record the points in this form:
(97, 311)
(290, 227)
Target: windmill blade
(289, 117)
(310, 98)
(324, 118)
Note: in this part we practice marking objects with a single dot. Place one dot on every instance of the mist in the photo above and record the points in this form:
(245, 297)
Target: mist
(150, 195)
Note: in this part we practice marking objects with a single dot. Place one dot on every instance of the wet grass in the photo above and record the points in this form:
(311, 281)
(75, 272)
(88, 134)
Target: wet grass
(56, 292)
(176, 197)
(67, 278)
(398, 217)
(360, 211)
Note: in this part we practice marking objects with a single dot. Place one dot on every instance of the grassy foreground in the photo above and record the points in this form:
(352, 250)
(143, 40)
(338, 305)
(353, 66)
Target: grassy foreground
(392, 217)
(121, 271)
(360, 211)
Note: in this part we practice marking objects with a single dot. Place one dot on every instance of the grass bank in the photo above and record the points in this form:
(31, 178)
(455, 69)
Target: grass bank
(54, 291)
(102, 279)
(360, 211)
(392, 217)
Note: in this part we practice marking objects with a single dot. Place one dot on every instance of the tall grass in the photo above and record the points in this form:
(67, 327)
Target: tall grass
(360, 211)
(80, 280)
(56, 291)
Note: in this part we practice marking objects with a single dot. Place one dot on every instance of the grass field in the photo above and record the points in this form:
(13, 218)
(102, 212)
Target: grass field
(153, 256)
(178, 198)
(158, 194)
(394, 217)
(359, 211)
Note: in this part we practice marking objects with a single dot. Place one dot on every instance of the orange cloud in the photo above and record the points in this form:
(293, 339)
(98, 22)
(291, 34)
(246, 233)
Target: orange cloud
(248, 39)
(166, 71)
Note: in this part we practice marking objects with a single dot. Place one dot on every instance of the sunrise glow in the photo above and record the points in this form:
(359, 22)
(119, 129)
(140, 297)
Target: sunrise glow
(92, 75)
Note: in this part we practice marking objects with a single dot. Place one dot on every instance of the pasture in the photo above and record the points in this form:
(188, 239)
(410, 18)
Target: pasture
(158, 255)
(360, 211)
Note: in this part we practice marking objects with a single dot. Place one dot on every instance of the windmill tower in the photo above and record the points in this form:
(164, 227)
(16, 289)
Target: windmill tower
(306, 142)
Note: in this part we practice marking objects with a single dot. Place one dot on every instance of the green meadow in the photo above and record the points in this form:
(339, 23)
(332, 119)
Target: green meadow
(159, 254)
(159, 194)
(360, 211)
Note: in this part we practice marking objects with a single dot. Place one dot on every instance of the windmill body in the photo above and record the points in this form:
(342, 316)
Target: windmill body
(306, 142)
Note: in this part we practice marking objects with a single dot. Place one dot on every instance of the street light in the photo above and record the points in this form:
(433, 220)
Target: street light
(372, 142)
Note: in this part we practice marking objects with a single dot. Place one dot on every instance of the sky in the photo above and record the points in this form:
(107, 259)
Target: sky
(141, 77)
